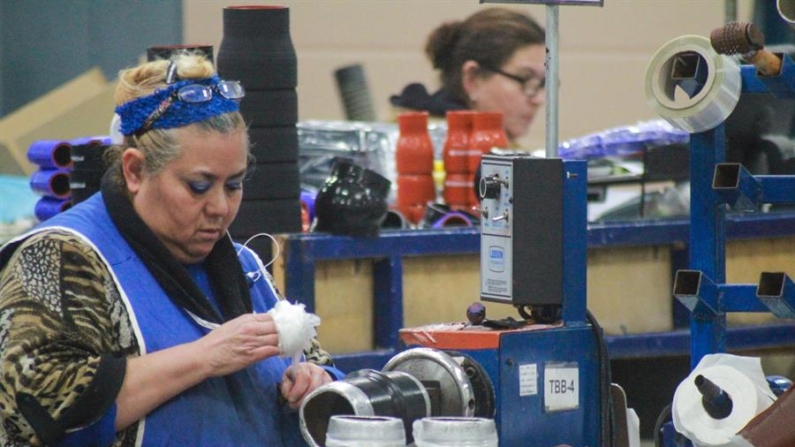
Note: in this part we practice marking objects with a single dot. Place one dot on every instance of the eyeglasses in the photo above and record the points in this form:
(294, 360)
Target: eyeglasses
(531, 85)
(194, 94)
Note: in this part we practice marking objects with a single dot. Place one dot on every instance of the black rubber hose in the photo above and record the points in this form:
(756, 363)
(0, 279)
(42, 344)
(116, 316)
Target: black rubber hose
(606, 401)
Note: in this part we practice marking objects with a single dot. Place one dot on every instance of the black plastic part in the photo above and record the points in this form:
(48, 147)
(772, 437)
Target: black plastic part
(265, 108)
(717, 403)
(266, 181)
(274, 144)
(267, 216)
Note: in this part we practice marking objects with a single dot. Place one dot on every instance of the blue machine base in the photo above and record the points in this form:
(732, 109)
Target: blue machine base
(546, 382)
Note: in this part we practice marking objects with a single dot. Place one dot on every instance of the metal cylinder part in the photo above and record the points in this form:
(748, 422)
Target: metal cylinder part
(460, 386)
(364, 393)
(365, 431)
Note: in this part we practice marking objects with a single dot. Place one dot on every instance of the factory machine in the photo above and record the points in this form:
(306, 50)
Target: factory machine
(544, 378)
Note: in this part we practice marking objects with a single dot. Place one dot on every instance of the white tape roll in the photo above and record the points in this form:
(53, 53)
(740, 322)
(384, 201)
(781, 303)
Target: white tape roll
(786, 9)
(708, 107)
(742, 379)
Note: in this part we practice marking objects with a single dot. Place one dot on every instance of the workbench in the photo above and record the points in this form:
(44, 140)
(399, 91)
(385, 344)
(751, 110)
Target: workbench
(324, 271)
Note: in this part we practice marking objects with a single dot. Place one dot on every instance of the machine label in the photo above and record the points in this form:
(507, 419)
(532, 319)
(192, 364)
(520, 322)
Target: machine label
(528, 380)
(496, 258)
(561, 386)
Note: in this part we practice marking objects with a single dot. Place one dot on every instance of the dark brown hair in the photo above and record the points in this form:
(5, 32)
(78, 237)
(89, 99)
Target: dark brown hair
(489, 37)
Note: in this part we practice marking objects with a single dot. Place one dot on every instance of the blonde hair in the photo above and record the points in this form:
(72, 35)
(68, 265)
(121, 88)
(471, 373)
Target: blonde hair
(161, 146)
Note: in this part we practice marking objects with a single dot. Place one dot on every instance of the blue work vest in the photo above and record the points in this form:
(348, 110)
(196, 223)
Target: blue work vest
(237, 410)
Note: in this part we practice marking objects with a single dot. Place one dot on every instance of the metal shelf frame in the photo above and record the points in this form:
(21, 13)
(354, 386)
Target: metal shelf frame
(709, 223)
(302, 251)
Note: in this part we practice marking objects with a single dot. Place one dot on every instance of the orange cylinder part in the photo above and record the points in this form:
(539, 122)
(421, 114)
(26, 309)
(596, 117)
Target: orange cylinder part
(414, 148)
(457, 190)
(456, 149)
(472, 194)
(487, 133)
(306, 224)
(415, 189)
(412, 213)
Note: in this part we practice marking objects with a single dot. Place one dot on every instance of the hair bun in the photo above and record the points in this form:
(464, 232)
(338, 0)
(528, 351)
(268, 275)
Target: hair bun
(442, 42)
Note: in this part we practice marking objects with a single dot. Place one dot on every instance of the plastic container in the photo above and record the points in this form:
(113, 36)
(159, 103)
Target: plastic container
(454, 432)
(365, 431)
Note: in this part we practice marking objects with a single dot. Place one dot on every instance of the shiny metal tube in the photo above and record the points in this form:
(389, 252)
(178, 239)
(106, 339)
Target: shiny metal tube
(364, 393)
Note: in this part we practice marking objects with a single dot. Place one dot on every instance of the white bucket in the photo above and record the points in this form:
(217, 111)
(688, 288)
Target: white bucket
(365, 431)
(454, 432)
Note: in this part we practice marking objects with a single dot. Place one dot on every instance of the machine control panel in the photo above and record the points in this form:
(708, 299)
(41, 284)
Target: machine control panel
(491, 186)
(522, 229)
(496, 254)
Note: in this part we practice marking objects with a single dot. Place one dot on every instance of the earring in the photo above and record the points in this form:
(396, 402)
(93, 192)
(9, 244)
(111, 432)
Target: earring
(473, 98)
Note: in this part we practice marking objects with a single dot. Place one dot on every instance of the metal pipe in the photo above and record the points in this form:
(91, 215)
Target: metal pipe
(552, 62)
(731, 11)
(364, 393)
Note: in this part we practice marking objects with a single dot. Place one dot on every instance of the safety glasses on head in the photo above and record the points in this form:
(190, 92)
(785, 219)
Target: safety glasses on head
(195, 94)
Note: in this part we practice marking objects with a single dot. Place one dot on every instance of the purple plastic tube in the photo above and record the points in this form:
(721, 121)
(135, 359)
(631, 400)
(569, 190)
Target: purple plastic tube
(48, 207)
(51, 183)
(50, 154)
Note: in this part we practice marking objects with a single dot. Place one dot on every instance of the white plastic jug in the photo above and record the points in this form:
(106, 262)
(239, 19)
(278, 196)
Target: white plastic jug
(365, 431)
(454, 432)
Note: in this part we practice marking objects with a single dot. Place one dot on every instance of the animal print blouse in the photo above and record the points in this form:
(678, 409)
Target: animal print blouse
(60, 314)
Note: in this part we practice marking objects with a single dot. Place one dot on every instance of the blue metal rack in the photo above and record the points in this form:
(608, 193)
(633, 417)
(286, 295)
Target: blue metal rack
(302, 251)
(714, 185)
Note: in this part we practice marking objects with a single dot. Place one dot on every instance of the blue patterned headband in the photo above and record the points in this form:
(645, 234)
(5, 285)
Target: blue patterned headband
(179, 104)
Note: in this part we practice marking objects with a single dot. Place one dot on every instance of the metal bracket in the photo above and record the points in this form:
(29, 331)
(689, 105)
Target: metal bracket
(696, 291)
(777, 291)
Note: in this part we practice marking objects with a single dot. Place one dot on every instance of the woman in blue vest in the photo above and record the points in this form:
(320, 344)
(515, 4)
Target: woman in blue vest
(133, 319)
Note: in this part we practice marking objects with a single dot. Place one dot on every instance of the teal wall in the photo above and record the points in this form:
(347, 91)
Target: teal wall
(45, 43)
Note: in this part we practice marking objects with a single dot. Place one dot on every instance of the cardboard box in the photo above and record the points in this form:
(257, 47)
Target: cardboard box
(80, 108)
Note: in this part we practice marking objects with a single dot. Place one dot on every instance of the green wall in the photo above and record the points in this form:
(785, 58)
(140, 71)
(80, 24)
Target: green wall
(45, 43)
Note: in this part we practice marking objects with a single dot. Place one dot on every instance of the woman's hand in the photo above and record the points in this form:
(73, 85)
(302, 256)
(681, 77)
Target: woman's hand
(300, 380)
(155, 378)
(238, 343)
